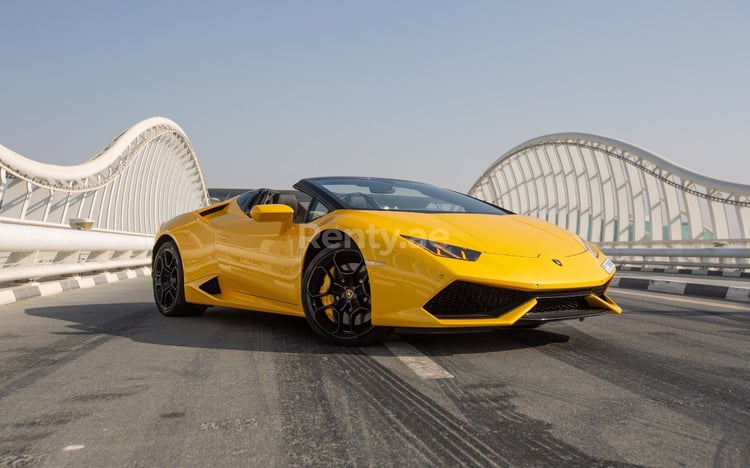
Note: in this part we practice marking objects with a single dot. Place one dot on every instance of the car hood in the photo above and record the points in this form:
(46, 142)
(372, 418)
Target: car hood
(514, 235)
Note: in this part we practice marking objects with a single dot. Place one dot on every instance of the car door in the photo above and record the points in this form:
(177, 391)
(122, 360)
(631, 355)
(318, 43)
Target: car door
(260, 259)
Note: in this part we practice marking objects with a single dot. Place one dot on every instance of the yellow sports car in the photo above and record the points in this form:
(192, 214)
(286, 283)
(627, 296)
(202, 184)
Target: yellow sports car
(360, 256)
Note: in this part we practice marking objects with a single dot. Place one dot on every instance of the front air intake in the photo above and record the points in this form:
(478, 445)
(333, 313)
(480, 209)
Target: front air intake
(462, 299)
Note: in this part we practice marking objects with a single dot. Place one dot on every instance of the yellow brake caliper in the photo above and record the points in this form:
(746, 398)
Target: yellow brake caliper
(327, 300)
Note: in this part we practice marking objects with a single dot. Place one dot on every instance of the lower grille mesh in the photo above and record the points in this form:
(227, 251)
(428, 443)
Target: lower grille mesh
(550, 304)
(462, 299)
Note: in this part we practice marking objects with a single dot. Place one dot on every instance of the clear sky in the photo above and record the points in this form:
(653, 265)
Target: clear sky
(273, 91)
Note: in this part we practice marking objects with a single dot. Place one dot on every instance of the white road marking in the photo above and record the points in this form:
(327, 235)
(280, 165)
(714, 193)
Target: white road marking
(424, 367)
(692, 300)
(71, 448)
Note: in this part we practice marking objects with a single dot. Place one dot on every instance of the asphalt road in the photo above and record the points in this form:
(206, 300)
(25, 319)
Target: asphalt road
(97, 377)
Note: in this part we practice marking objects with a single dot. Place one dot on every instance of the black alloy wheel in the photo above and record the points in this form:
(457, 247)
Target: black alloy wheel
(337, 299)
(168, 282)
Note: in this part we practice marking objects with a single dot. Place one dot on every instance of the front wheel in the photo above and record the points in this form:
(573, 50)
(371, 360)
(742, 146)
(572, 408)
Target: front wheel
(168, 282)
(337, 299)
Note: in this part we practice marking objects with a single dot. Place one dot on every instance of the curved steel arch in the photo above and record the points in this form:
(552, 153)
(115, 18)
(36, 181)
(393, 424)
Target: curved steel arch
(625, 194)
(146, 175)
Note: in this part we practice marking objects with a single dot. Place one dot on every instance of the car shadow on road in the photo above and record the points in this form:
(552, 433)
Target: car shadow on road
(223, 328)
(508, 339)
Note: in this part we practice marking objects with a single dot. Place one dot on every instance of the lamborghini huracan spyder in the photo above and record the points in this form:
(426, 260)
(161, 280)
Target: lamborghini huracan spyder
(360, 256)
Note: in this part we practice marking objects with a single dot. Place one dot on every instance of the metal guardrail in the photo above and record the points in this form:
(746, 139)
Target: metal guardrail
(32, 251)
(724, 258)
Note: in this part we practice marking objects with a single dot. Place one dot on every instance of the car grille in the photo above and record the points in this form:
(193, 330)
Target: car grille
(462, 299)
(549, 304)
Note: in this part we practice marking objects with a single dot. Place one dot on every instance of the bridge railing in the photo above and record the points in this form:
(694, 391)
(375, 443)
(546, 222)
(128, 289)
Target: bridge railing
(31, 251)
(728, 256)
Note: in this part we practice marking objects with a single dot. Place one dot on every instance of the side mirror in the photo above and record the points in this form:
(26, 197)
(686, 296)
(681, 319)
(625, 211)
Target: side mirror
(268, 213)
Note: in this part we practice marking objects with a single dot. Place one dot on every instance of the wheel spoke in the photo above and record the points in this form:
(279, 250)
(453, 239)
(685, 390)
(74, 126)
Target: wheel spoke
(359, 312)
(321, 315)
(343, 267)
(360, 291)
(169, 298)
(158, 267)
(337, 266)
(168, 260)
(159, 293)
(359, 268)
(322, 308)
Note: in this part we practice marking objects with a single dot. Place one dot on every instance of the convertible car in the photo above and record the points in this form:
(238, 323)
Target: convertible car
(359, 257)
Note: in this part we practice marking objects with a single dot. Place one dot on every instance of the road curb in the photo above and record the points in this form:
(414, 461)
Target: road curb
(729, 293)
(49, 288)
(688, 271)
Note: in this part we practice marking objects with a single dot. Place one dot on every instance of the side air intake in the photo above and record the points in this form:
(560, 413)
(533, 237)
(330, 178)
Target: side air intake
(211, 286)
(213, 209)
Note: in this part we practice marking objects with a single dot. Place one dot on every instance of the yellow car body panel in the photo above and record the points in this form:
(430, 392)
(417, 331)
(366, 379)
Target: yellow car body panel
(259, 271)
(260, 264)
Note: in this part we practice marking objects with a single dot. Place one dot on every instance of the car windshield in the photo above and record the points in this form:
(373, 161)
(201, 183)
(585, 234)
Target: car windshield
(363, 193)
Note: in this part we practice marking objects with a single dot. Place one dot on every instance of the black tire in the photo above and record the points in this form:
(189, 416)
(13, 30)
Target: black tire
(168, 283)
(336, 298)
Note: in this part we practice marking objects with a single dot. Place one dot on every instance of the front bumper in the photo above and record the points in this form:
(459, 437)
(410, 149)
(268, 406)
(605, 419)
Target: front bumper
(495, 291)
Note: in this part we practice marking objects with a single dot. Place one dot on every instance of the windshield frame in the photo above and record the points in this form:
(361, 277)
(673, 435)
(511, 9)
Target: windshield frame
(317, 187)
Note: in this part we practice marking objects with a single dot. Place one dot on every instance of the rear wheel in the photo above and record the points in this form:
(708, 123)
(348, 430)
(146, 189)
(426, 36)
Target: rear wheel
(337, 300)
(168, 282)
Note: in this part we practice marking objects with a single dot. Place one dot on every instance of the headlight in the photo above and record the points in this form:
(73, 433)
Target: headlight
(608, 265)
(445, 250)
(592, 250)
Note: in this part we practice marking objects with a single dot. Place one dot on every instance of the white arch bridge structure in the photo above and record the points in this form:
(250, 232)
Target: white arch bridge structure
(58, 221)
(100, 215)
(640, 208)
